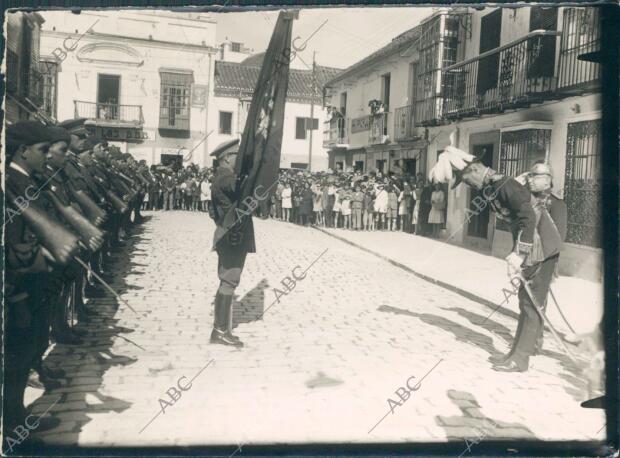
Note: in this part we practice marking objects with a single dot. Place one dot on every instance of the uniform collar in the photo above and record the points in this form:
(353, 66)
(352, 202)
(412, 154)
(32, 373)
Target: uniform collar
(19, 168)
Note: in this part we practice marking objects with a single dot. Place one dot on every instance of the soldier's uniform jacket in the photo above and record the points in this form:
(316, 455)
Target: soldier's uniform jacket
(223, 195)
(512, 202)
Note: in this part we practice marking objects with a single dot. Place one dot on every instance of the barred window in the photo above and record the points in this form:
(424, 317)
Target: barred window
(175, 103)
(521, 149)
(583, 183)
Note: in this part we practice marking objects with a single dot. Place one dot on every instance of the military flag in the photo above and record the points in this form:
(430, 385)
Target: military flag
(258, 159)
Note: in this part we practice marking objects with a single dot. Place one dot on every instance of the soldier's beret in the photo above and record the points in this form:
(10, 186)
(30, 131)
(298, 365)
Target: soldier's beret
(58, 134)
(27, 133)
(226, 148)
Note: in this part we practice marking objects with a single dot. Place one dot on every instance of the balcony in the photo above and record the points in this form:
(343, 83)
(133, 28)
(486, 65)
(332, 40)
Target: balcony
(581, 34)
(378, 129)
(335, 133)
(109, 114)
(404, 127)
(510, 76)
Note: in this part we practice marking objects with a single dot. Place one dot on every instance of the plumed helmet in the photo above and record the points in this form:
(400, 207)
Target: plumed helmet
(449, 165)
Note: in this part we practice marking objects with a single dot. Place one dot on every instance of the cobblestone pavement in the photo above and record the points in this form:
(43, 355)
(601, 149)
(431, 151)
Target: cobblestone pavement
(320, 365)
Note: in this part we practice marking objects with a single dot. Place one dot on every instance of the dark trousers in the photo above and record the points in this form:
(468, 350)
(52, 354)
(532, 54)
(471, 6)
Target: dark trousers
(231, 260)
(329, 216)
(530, 326)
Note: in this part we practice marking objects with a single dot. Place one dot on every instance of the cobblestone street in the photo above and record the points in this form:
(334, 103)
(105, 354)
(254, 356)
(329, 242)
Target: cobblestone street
(319, 366)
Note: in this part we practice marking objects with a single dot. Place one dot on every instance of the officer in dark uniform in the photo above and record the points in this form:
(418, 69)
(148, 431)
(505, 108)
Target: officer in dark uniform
(538, 225)
(233, 240)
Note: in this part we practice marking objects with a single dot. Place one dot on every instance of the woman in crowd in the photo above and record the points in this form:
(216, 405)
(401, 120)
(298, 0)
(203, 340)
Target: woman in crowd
(404, 214)
(436, 215)
(381, 205)
(317, 204)
(205, 193)
(287, 201)
(392, 208)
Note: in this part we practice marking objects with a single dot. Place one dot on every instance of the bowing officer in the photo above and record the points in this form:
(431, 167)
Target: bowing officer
(233, 240)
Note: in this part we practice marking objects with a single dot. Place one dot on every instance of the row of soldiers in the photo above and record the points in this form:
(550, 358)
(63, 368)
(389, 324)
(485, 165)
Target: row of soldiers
(69, 204)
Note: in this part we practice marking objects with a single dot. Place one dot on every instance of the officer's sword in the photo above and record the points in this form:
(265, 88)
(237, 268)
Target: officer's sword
(555, 301)
(539, 310)
(106, 286)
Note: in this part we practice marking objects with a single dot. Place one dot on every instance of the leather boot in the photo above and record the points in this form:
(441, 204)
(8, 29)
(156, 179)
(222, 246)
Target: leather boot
(229, 302)
(221, 319)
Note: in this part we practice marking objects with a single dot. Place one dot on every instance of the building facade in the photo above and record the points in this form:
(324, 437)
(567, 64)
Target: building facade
(520, 91)
(371, 124)
(233, 86)
(139, 85)
(516, 85)
(24, 79)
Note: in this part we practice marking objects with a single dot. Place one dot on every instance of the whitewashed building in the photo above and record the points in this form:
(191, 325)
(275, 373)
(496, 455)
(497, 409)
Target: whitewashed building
(140, 77)
(516, 86)
(233, 86)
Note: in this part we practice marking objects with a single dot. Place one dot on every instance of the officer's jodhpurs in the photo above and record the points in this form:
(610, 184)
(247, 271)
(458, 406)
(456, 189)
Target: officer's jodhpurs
(229, 267)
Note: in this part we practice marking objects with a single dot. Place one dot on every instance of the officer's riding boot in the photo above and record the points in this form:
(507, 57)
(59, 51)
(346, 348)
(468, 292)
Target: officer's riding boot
(230, 320)
(221, 319)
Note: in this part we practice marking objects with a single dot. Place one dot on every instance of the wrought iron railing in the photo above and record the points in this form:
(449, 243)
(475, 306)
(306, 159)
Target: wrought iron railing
(335, 132)
(428, 111)
(378, 129)
(581, 34)
(111, 112)
(509, 76)
(404, 127)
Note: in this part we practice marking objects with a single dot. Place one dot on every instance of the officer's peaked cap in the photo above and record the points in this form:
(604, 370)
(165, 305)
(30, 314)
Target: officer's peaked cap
(228, 147)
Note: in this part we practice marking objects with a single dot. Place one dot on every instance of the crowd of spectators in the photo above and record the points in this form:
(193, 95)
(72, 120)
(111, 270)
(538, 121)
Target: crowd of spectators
(350, 201)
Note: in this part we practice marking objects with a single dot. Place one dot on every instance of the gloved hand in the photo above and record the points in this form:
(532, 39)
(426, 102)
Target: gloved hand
(514, 265)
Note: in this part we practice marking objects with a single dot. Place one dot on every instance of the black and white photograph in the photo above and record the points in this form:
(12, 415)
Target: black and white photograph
(235, 227)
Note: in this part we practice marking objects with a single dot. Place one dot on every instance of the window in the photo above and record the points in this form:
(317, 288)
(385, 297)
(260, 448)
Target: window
(521, 149)
(174, 103)
(583, 183)
(225, 122)
(385, 91)
(235, 47)
(300, 128)
(50, 86)
(343, 104)
(304, 124)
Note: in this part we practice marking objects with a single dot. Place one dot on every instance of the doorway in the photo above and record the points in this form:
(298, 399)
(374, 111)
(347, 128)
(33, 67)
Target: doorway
(479, 230)
(108, 96)
(478, 225)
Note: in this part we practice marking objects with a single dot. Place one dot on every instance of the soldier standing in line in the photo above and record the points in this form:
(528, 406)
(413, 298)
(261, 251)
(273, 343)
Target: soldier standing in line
(231, 243)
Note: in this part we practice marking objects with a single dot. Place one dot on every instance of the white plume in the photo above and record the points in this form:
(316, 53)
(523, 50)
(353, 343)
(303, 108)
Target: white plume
(451, 159)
